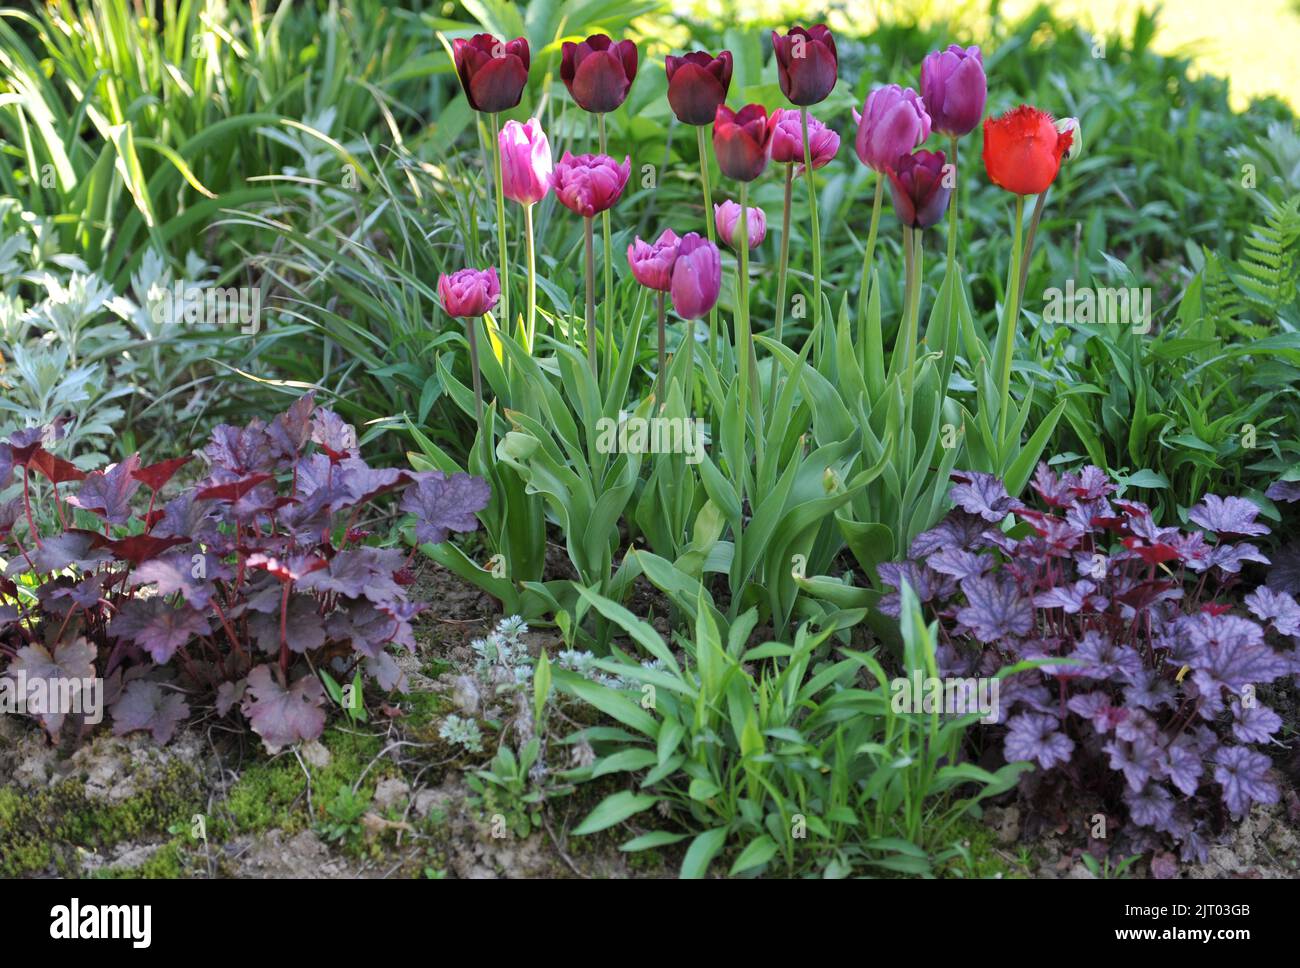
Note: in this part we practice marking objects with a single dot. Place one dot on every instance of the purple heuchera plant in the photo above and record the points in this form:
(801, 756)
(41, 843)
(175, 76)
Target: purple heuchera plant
(1156, 708)
(232, 591)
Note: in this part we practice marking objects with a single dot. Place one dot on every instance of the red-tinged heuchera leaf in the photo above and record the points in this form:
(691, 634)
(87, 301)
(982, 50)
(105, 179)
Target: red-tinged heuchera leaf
(146, 705)
(138, 547)
(157, 627)
(190, 575)
(1152, 554)
(156, 475)
(108, 493)
(55, 469)
(334, 435)
(232, 491)
(292, 569)
(283, 716)
(71, 665)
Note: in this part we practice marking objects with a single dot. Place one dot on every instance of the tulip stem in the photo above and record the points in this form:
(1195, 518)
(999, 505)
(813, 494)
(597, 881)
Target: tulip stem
(911, 309)
(530, 335)
(746, 358)
(1029, 240)
(591, 293)
(470, 324)
(501, 220)
(868, 258)
(663, 353)
(609, 267)
(952, 208)
(781, 272)
(816, 228)
(1007, 333)
(708, 227)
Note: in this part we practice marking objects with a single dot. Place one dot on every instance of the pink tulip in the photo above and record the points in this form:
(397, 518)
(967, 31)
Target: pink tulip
(787, 140)
(697, 277)
(588, 184)
(525, 162)
(469, 292)
(652, 264)
(727, 216)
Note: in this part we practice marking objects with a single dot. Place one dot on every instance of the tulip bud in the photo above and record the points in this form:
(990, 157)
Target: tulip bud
(807, 64)
(492, 73)
(892, 123)
(652, 265)
(598, 72)
(525, 162)
(697, 83)
(697, 277)
(916, 183)
(954, 88)
(1076, 136)
(469, 292)
(727, 216)
(588, 184)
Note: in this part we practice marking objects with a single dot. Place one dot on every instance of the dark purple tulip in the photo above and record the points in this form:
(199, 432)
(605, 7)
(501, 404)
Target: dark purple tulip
(955, 89)
(916, 183)
(697, 84)
(469, 292)
(893, 122)
(598, 72)
(742, 140)
(806, 63)
(697, 277)
(652, 263)
(492, 73)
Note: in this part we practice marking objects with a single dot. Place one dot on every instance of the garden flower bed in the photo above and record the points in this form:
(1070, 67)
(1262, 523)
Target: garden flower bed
(596, 444)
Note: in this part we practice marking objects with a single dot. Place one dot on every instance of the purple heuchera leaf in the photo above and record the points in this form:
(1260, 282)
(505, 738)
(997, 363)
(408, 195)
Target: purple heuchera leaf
(1230, 653)
(442, 504)
(1140, 759)
(146, 705)
(335, 435)
(1036, 737)
(958, 563)
(1100, 658)
(108, 493)
(157, 627)
(1243, 774)
(1096, 708)
(304, 629)
(959, 530)
(1071, 598)
(1184, 766)
(1280, 608)
(177, 571)
(72, 660)
(981, 494)
(1152, 806)
(995, 609)
(1254, 723)
(1234, 516)
(283, 716)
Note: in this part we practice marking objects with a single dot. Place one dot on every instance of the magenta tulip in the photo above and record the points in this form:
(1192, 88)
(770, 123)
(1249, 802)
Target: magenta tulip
(598, 72)
(955, 89)
(787, 140)
(727, 217)
(697, 83)
(918, 185)
(652, 263)
(892, 123)
(588, 184)
(697, 277)
(742, 140)
(493, 74)
(525, 162)
(469, 292)
(807, 64)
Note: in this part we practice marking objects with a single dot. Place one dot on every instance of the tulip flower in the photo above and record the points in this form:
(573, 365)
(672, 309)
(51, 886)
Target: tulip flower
(807, 64)
(586, 185)
(954, 89)
(493, 74)
(727, 217)
(917, 184)
(697, 83)
(598, 72)
(526, 178)
(742, 140)
(892, 123)
(652, 266)
(469, 294)
(697, 277)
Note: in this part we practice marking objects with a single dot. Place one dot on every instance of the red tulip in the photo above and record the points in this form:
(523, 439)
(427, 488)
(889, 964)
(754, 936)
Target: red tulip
(806, 63)
(1023, 149)
(469, 292)
(598, 72)
(742, 140)
(697, 84)
(697, 277)
(916, 183)
(493, 73)
(652, 264)
(589, 184)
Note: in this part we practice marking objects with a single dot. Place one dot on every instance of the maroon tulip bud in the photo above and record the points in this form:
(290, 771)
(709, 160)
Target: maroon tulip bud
(742, 140)
(697, 277)
(492, 73)
(920, 188)
(469, 292)
(806, 63)
(598, 72)
(589, 184)
(787, 140)
(652, 264)
(697, 83)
